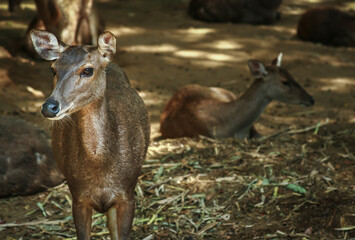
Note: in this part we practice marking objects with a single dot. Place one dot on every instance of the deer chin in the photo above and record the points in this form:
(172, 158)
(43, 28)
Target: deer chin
(63, 113)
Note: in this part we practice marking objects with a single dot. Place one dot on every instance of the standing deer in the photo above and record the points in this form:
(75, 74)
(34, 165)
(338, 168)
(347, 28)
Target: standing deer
(328, 26)
(101, 147)
(215, 112)
(72, 21)
(242, 11)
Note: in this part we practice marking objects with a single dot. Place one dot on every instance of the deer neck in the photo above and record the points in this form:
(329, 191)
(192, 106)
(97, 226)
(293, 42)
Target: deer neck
(245, 110)
(92, 125)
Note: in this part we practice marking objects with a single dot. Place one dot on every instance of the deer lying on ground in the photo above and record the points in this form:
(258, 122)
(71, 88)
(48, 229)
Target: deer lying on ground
(243, 11)
(101, 147)
(328, 26)
(26, 160)
(215, 112)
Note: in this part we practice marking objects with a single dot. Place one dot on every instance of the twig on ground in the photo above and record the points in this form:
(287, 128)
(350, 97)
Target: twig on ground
(282, 234)
(34, 223)
(318, 125)
(275, 134)
(295, 131)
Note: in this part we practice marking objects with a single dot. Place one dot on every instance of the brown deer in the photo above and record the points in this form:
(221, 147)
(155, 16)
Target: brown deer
(215, 112)
(243, 11)
(101, 147)
(328, 26)
(26, 159)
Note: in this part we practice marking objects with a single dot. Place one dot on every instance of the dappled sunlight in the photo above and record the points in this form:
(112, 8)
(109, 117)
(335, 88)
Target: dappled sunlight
(197, 62)
(151, 99)
(36, 93)
(127, 31)
(206, 58)
(205, 55)
(281, 29)
(337, 84)
(152, 48)
(336, 61)
(311, 1)
(196, 31)
(193, 34)
(24, 5)
(294, 11)
(34, 107)
(13, 25)
(223, 45)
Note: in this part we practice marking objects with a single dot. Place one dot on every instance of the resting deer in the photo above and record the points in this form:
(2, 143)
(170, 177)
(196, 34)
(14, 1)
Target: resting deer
(101, 148)
(26, 160)
(328, 26)
(215, 112)
(243, 11)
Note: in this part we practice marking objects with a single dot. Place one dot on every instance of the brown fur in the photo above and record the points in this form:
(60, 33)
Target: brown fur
(243, 11)
(196, 110)
(328, 26)
(27, 165)
(103, 140)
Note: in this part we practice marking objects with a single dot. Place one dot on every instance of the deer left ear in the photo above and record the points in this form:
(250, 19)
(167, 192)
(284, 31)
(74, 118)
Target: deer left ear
(277, 61)
(46, 44)
(257, 68)
(107, 45)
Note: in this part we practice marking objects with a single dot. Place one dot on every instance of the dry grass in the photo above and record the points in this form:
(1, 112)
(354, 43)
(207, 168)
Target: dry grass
(298, 185)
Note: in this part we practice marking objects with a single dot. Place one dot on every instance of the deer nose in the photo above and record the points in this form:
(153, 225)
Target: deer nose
(311, 101)
(50, 108)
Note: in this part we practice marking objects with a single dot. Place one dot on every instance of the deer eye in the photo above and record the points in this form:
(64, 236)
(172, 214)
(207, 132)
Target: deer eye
(286, 83)
(53, 71)
(87, 72)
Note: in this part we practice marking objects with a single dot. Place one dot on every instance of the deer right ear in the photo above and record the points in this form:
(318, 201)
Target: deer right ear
(107, 45)
(277, 61)
(46, 44)
(257, 68)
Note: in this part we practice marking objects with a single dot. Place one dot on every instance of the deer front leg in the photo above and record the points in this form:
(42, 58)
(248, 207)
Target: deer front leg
(120, 218)
(82, 214)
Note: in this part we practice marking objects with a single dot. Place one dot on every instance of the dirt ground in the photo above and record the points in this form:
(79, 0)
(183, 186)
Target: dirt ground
(296, 185)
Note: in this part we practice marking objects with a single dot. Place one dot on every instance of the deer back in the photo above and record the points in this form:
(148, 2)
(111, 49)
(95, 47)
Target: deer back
(328, 26)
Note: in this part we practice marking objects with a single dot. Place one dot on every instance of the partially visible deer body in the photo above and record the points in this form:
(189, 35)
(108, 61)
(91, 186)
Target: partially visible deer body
(101, 147)
(12, 4)
(328, 26)
(72, 21)
(214, 112)
(243, 11)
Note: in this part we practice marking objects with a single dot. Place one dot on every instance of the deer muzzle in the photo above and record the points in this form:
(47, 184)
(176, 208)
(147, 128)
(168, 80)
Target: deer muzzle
(50, 108)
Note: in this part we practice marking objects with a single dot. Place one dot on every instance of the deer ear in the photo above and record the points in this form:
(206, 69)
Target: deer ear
(107, 45)
(277, 61)
(257, 68)
(46, 44)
